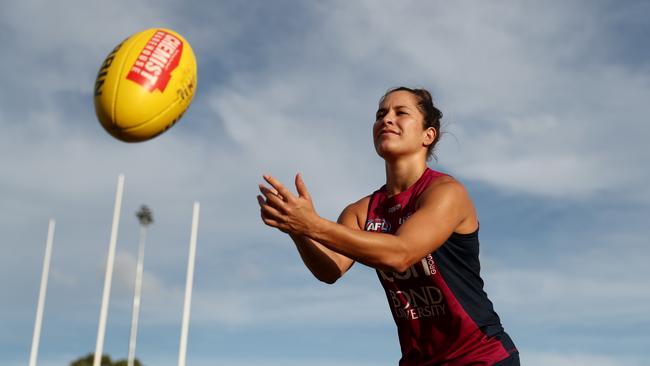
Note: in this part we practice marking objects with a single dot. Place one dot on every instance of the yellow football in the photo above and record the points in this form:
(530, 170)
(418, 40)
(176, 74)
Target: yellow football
(145, 85)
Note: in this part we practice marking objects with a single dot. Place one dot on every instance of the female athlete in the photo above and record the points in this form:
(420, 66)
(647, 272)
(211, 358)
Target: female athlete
(419, 231)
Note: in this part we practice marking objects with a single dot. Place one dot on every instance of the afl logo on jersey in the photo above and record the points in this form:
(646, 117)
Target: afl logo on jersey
(378, 225)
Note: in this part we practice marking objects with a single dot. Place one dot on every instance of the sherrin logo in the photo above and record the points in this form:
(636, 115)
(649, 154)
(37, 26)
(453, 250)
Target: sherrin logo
(103, 70)
(159, 57)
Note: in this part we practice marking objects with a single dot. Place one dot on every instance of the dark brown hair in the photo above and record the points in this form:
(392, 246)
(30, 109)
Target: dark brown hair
(432, 115)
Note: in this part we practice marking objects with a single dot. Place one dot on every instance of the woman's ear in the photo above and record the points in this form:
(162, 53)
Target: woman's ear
(429, 136)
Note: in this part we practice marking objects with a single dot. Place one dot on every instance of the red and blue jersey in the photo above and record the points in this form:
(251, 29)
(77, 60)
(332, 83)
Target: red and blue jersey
(443, 315)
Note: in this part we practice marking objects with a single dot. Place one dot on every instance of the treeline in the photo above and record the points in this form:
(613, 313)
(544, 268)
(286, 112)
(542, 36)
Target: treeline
(106, 361)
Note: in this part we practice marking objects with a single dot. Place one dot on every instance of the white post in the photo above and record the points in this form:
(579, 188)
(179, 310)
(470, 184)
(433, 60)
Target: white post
(33, 356)
(136, 296)
(188, 286)
(99, 348)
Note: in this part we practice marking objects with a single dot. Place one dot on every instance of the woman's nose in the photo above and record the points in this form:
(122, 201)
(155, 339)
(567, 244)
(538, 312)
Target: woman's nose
(388, 119)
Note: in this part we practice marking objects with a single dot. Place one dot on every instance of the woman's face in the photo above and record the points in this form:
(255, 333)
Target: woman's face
(399, 128)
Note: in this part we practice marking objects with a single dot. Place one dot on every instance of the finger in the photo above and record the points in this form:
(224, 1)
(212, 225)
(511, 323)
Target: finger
(272, 213)
(271, 190)
(273, 199)
(284, 192)
(301, 187)
(263, 202)
(270, 222)
(274, 191)
(275, 224)
(270, 193)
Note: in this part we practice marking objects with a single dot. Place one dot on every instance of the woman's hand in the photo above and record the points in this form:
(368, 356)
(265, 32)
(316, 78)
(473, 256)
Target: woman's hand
(282, 210)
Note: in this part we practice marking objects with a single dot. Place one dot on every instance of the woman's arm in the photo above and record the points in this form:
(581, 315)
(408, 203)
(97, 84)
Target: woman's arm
(324, 263)
(443, 207)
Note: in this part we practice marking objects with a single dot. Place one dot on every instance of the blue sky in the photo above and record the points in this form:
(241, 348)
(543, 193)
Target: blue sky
(545, 108)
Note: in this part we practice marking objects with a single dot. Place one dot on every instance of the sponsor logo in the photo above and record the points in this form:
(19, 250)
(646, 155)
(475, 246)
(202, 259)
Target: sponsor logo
(415, 303)
(155, 63)
(390, 276)
(378, 225)
(427, 264)
(394, 208)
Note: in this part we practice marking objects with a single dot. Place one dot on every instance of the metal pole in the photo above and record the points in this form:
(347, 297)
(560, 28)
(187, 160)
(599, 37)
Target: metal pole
(99, 348)
(188, 286)
(33, 356)
(136, 296)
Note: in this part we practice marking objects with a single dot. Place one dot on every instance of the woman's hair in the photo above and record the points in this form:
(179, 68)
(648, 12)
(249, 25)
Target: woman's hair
(432, 115)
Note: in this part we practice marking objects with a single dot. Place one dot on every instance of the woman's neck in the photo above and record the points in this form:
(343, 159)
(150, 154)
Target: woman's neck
(402, 173)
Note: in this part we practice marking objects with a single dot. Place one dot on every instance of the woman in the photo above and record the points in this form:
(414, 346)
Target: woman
(419, 231)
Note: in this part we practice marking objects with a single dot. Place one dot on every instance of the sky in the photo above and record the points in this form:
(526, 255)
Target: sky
(545, 122)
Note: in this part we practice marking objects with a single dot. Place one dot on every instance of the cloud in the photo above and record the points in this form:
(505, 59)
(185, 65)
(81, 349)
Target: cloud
(539, 106)
(586, 296)
(585, 277)
(279, 362)
(249, 301)
(572, 359)
(244, 304)
(292, 306)
(527, 115)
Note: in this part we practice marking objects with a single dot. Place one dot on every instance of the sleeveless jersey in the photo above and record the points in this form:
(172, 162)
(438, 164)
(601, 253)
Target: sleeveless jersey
(443, 316)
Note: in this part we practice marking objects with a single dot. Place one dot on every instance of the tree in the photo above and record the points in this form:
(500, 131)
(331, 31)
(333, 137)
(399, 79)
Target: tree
(106, 361)
(125, 362)
(88, 361)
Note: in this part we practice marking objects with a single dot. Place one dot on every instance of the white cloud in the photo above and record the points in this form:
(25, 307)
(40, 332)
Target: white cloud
(531, 109)
(243, 302)
(249, 305)
(534, 297)
(602, 283)
(293, 305)
(573, 359)
(283, 362)
(529, 116)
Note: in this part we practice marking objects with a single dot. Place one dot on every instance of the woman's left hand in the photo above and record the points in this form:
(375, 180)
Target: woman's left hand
(282, 210)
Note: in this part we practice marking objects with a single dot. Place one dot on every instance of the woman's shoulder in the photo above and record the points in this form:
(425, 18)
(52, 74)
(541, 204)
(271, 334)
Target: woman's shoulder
(444, 180)
(448, 191)
(360, 205)
(356, 212)
(444, 186)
